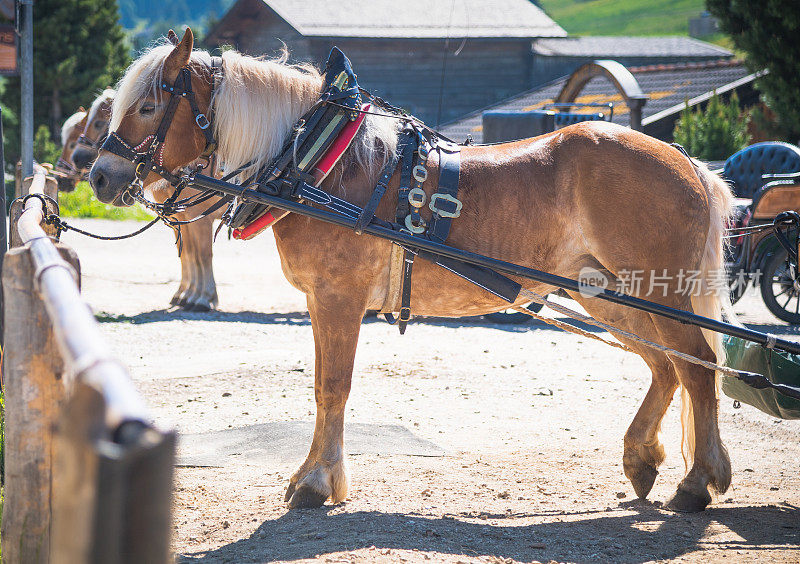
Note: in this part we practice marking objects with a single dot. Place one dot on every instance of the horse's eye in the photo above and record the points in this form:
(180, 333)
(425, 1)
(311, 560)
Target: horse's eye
(99, 124)
(147, 108)
(72, 145)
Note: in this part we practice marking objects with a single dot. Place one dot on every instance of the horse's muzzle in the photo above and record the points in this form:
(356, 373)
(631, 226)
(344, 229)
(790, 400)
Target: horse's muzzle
(82, 157)
(110, 177)
(66, 183)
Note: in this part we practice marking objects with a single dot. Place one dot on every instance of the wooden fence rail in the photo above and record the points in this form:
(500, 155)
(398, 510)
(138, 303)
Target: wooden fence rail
(87, 477)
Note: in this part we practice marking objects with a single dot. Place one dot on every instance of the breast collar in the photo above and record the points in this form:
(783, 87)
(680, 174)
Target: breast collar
(148, 155)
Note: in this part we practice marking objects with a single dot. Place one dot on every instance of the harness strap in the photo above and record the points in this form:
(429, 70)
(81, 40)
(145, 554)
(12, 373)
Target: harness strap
(405, 183)
(405, 297)
(380, 188)
(444, 203)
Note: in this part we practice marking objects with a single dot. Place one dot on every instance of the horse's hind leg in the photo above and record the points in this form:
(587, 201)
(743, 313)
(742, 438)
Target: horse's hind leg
(710, 465)
(336, 322)
(643, 452)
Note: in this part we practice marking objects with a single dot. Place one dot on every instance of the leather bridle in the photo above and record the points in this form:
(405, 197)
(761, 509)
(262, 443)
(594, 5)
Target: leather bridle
(148, 155)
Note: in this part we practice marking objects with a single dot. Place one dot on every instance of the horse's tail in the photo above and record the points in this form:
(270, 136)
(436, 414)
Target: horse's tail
(712, 298)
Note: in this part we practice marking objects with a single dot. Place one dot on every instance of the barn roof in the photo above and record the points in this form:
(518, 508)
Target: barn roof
(607, 47)
(416, 18)
(667, 86)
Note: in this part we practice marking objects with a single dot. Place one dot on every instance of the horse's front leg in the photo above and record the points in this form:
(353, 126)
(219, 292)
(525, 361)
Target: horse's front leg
(201, 290)
(336, 323)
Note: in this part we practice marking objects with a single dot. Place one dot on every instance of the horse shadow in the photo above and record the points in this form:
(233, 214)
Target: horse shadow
(636, 532)
(302, 318)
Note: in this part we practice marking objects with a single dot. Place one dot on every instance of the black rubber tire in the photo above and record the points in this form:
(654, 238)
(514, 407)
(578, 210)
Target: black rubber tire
(511, 317)
(777, 285)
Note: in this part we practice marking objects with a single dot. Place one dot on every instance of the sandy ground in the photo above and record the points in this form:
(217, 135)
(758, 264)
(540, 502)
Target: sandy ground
(531, 420)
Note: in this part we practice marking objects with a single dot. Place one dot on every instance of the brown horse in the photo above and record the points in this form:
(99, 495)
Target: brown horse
(592, 195)
(66, 172)
(197, 290)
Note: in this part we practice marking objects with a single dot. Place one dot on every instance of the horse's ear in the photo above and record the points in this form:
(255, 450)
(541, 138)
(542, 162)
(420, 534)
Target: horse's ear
(81, 109)
(183, 50)
(172, 36)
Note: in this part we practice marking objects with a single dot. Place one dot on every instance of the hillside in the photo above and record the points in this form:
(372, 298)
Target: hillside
(149, 19)
(190, 12)
(623, 17)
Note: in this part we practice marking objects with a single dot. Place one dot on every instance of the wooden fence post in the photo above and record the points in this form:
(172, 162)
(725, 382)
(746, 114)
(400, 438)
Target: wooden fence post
(111, 500)
(34, 392)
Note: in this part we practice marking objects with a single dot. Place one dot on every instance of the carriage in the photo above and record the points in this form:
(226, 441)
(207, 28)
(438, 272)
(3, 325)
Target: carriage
(766, 181)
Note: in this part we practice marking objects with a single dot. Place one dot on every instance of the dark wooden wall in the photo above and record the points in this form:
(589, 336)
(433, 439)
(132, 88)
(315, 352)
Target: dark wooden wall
(406, 72)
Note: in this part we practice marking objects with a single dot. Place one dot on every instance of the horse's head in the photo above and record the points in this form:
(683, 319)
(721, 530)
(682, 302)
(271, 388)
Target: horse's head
(152, 129)
(94, 131)
(69, 175)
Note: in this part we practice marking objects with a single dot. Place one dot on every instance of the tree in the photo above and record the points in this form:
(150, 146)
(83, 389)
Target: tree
(713, 134)
(79, 48)
(768, 31)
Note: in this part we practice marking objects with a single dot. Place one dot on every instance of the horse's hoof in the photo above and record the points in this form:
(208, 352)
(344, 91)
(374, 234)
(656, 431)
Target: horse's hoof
(289, 492)
(687, 502)
(306, 497)
(643, 479)
(197, 306)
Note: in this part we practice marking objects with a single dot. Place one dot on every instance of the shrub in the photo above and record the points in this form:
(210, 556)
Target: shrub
(82, 203)
(715, 133)
(44, 149)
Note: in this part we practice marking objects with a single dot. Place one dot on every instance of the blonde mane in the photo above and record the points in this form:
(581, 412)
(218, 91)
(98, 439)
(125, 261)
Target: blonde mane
(105, 97)
(255, 107)
(69, 125)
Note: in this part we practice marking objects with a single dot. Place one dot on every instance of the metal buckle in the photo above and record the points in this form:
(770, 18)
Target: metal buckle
(417, 197)
(127, 198)
(139, 171)
(205, 123)
(443, 213)
(416, 229)
(420, 173)
(405, 314)
(423, 151)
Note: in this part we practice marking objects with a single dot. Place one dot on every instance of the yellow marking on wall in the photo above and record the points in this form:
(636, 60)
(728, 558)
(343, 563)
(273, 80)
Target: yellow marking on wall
(620, 107)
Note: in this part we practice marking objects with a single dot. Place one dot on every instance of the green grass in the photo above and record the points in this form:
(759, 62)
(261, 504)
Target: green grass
(82, 203)
(624, 17)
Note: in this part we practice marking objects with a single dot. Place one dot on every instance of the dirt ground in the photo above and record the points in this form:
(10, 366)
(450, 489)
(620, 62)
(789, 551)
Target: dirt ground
(531, 420)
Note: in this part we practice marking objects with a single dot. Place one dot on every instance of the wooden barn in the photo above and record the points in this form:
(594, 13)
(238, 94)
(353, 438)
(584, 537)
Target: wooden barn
(438, 60)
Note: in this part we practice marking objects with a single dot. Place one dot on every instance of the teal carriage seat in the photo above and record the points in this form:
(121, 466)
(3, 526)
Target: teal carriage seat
(752, 167)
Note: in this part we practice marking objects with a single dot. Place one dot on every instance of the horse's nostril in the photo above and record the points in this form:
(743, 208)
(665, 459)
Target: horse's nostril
(99, 180)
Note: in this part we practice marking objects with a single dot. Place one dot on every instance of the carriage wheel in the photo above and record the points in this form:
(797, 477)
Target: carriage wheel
(736, 286)
(778, 289)
(512, 317)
